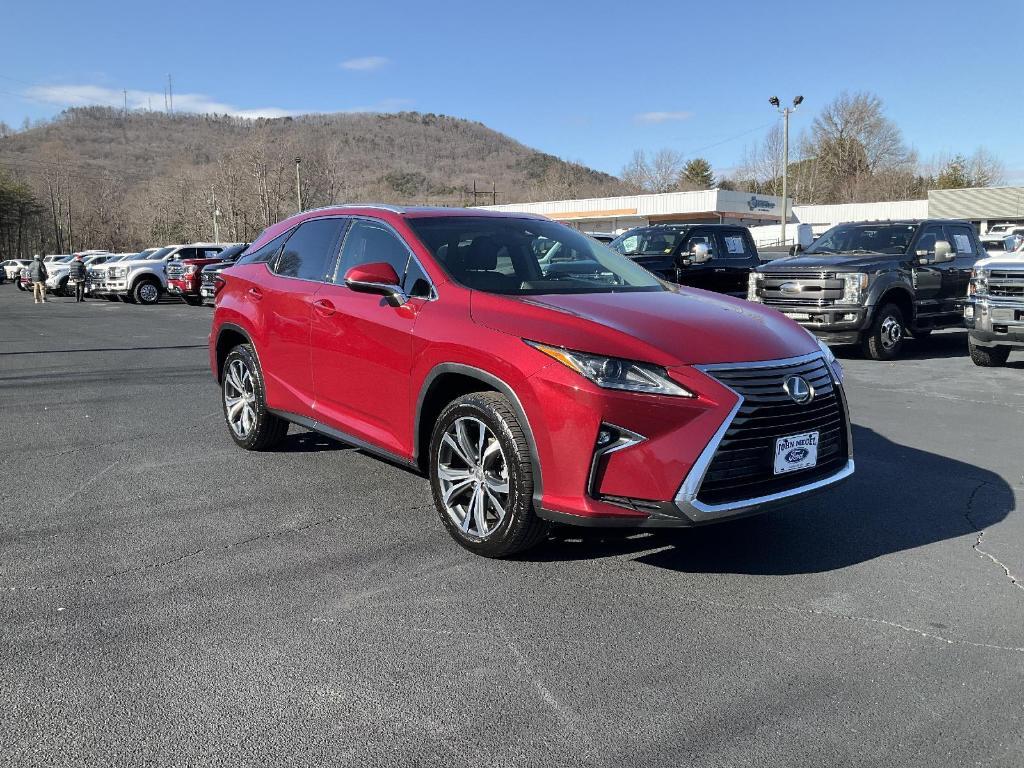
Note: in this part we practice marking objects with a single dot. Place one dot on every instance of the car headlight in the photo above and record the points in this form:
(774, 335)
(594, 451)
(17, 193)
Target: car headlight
(615, 373)
(854, 285)
(753, 283)
(121, 272)
(830, 359)
(979, 283)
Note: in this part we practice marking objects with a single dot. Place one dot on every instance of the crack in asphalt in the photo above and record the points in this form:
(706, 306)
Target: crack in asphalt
(1014, 580)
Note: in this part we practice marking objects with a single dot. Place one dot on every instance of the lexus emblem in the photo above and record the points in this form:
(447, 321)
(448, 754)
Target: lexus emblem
(798, 389)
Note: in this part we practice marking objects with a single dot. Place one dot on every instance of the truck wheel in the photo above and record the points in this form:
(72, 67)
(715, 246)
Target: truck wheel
(193, 301)
(884, 340)
(482, 478)
(62, 289)
(243, 396)
(987, 357)
(146, 292)
(20, 286)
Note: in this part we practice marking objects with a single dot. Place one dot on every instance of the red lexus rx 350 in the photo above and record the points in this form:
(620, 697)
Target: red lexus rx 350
(531, 372)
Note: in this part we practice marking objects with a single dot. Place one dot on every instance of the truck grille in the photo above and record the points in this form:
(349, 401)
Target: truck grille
(207, 277)
(743, 466)
(1009, 284)
(802, 289)
(175, 271)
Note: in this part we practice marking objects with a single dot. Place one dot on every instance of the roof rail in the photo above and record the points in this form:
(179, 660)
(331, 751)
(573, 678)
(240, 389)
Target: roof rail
(381, 206)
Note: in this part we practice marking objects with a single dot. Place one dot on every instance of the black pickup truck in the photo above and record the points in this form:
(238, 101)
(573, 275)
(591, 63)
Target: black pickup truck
(715, 257)
(873, 283)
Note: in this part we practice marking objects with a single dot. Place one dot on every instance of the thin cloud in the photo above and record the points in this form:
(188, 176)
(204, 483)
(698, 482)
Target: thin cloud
(662, 117)
(364, 63)
(94, 95)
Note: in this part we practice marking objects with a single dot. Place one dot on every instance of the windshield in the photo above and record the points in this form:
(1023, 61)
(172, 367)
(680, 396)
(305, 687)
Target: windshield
(652, 241)
(157, 255)
(865, 238)
(231, 252)
(526, 257)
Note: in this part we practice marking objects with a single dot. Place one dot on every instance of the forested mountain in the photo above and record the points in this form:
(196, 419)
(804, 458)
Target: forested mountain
(100, 177)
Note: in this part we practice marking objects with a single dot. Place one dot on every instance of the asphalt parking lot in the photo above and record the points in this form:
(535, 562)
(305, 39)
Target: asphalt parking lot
(168, 599)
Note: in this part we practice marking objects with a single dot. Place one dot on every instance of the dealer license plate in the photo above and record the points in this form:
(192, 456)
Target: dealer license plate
(1002, 314)
(797, 315)
(796, 452)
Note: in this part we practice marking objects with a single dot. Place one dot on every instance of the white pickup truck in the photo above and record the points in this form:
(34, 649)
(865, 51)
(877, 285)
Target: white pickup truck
(143, 280)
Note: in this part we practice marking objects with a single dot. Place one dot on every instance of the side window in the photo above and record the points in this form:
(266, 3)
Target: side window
(629, 245)
(187, 253)
(368, 243)
(735, 245)
(930, 234)
(416, 283)
(266, 254)
(708, 240)
(309, 252)
(963, 240)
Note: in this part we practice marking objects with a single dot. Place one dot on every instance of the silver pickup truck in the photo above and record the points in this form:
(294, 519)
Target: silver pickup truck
(994, 311)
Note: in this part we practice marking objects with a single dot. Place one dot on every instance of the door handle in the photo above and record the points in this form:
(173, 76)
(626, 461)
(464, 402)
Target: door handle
(256, 293)
(323, 307)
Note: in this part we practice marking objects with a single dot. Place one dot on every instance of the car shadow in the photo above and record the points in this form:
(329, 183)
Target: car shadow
(310, 442)
(900, 498)
(937, 346)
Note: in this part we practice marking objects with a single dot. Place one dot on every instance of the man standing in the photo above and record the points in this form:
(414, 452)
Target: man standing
(76, 275)
(37, 274)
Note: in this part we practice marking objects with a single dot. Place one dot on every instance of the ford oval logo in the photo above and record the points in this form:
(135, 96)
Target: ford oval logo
(791, 288)
(798, 389)
(796, 455)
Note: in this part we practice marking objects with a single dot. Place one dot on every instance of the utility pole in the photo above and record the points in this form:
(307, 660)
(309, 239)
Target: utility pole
(170, 92)
(298, 183)
(125, 91)
(216, 213)
(785, 112)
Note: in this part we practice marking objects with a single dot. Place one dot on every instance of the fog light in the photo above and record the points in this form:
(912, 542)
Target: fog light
(850, 317)
(969, 310)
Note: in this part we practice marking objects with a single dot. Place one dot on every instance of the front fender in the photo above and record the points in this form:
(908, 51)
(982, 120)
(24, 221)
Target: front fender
(889, 281)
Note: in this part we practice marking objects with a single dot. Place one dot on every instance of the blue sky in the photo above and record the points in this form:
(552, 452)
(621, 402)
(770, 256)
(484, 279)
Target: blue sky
(588, 81)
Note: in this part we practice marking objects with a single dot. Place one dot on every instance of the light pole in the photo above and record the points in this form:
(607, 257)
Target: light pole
(785, 112)
(216, 213)
(298, 183)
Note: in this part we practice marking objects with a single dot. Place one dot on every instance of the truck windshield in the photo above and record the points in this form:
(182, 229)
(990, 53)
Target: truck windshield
(653, 241)
(157, 255)
(525, 257)
(865, 238)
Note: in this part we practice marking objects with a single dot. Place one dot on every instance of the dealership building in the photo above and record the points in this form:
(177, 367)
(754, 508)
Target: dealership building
(983, 206)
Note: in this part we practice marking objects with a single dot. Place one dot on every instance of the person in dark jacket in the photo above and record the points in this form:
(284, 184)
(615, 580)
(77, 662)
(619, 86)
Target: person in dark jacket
(76, 275)
(37, 273)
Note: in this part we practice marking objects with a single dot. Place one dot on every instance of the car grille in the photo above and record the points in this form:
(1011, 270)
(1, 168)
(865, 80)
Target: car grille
(802, 289)
(207, 277)
(1009, 284)
(175, 271)
(743, 465)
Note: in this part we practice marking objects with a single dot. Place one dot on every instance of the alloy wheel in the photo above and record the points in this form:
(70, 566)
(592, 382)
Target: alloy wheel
(148, 293)
(474, 478)
(240, 398)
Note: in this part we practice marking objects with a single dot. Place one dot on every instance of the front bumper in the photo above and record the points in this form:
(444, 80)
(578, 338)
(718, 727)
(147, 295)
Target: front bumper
(833, 324)
(995, 322)
(183, 287)
(656, 480)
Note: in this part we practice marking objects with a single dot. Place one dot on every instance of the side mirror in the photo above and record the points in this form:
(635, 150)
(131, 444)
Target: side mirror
(378, 278)
(943, 252)
(700, 253)
(795, 249)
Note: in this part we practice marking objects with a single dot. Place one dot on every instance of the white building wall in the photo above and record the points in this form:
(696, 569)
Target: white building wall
(822, 217)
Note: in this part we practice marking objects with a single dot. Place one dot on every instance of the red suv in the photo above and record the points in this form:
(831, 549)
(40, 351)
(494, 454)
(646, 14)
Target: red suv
(533, 373)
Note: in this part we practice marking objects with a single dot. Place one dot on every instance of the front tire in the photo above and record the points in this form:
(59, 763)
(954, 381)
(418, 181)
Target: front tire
(988, 357)
(20, 286)
(243, 397)
(481, 476)
(884, 341)
(146, 292)
(193, 301)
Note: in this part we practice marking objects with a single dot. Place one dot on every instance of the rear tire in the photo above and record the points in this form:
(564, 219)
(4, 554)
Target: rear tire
(481, 476)
(20, 286)
(243, 397)
(193, 301)
(988, 357)
(884, 340)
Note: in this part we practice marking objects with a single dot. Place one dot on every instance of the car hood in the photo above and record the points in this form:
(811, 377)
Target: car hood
(833, 261)
(683, 326)
(137, 263)
(1010, 261)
